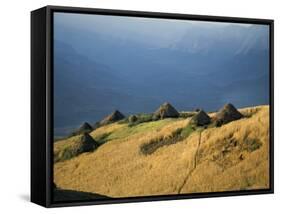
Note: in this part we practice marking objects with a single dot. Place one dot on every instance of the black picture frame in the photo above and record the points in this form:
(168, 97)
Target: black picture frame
(42, 103)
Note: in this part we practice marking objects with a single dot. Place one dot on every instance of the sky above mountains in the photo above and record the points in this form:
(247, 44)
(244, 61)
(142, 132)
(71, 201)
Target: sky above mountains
(163, 33)
(103, 63)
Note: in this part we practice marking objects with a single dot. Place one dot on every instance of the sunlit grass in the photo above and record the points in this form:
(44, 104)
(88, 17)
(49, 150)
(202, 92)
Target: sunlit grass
(231, 157)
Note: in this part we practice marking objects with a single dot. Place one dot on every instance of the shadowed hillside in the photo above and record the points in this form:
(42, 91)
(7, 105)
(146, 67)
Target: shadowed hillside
(61, 195)
(182, 157)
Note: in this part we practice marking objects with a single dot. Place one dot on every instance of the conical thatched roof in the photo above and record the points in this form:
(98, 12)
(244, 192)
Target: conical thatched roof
(200, 119)
(165, 110)
(85, 143)
(227, 114)
(113, 117)
(84, 128)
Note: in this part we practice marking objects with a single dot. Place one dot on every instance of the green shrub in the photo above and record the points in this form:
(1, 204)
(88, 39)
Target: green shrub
(252, 144)
(140, 118)
(187, 114)
(187, 131)
(67, 154)
(133, 118)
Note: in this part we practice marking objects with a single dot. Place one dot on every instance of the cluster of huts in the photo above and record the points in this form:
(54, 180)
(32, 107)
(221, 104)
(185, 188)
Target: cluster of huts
(225, 115)
(84, 142)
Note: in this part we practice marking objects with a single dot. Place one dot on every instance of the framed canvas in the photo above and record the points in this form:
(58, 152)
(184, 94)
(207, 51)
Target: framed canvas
(134, 106)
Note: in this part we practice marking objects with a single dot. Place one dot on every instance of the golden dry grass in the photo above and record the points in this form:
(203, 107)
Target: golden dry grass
(232, 157)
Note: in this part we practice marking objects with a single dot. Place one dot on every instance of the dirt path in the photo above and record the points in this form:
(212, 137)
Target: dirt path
(194, 165)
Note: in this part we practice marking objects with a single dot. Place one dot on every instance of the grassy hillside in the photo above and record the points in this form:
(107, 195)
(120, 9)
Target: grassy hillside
(231, 157)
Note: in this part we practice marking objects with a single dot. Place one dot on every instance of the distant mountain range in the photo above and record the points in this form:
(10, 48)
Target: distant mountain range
(97, 72)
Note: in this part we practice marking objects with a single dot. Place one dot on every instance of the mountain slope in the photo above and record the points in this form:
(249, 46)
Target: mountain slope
(231, 157)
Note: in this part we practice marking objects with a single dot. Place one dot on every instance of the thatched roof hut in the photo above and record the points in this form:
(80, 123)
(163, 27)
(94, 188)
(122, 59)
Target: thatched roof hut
(84, 128)
(164, 111)
(226, 114)
(84, 143)
(200, 119)
(113, 117)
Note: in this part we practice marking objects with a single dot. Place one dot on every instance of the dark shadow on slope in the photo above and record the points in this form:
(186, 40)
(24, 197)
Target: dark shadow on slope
(103, 138)
(62, 195)
(176, 136)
